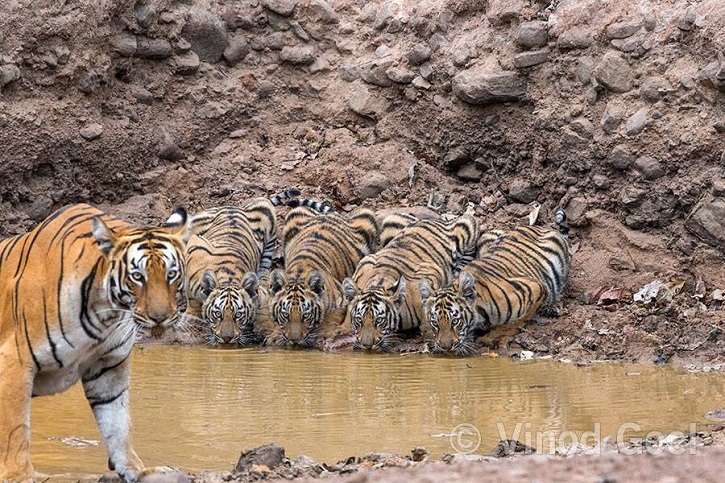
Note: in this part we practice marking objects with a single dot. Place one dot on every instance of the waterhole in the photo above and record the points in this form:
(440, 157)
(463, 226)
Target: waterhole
(198, 408)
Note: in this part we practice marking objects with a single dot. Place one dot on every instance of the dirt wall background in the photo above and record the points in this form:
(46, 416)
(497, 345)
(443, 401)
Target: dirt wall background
(612, 109)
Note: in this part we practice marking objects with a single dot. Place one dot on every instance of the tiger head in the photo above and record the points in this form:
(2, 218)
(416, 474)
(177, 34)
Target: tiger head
(375, 313)
(450, 314)
(147, 270)
(230, 308)
(297, 307)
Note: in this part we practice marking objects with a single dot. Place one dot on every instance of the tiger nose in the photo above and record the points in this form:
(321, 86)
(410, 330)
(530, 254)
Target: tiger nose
(159, 317)
(446, 344)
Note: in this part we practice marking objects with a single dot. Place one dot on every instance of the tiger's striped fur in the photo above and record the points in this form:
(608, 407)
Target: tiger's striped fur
(320, 250)
(230, 249)
(383, 291)
(74, 291)
(518, 272)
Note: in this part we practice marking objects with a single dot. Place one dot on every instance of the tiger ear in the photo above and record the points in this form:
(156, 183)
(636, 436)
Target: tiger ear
(349, 290)
(179, 224)
(208, 282)
(399, 289)
(424, 290)
(316, 282)
(277, 280)
(467, 287)
(250, 283)
(103, 235)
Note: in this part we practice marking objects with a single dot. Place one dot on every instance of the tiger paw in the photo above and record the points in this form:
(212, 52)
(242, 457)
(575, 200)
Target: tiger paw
(549, 311)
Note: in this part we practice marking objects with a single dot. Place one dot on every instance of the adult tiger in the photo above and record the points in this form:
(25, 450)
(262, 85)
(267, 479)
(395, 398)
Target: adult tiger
(74, 292)
(517, 273)
(320, 250)
(383, 301)
(231, 248)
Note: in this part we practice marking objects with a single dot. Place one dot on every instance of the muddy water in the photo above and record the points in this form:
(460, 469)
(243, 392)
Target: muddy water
(198, 408)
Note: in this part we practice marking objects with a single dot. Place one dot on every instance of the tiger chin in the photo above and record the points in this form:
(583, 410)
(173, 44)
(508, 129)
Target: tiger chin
(78, 288)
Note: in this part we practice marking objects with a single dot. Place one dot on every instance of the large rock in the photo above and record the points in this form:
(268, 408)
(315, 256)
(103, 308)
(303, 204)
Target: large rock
(269, 455)
(482, 86)
(522, 191)
(614, 73)
(206, 33)
(705, 222)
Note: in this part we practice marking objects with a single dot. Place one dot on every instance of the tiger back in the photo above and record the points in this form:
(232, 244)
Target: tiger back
(520, 272)
(320, 250)
(74, 292)
(383, 292)
(230, 249)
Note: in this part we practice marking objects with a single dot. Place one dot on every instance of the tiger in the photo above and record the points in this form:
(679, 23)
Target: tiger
(382, 306)
(75, 290)
(230, 250)
(320, 250)
(516, 274)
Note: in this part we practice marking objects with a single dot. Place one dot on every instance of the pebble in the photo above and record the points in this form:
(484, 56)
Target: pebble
(601, 181)
(649, 167)
(419, 54)
(469, 172)
(636, 122)
(522, 191)
(301, 55)
(614, 73)
(91, 131)
(373, 183)
(366, 104)
(421, 83)
(631, 196)
(400, 75)
(612, 116)
(237, 50)
(621, 30)
(168, 149)
(270, 455)
(143, 96)
(206, 33)
(532, 34)
(280, 7)
(8, 74)
(426, 71)
(186, 64)
(620, 158)
(687, 21)
(705, 222)
(479, 86)
(584, 69)
(576, 38)
(124, 44)
(147, 48)
(534, 57)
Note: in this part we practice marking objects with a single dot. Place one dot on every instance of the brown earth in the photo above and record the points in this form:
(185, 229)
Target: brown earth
(612, 109)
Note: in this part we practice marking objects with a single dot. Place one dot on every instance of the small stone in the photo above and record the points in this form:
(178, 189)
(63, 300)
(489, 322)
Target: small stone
(320, 64)
(583, 127)
(437, 41)
(620, 158)
(534, 57)
(455, 158)
(614, 73)
(299, 55)
(621, 30)
(649, 167)
(630, 196)
(612, 116)
(419, 54)
(421, 83)
(274, 41)
(270, 455)
(298, 30)
(182, 45)
(147, 48)
(470, 172)
(375, 73)
(601, 181)
(382, 51)
(366, 104)
(426, 71)
(206, 33)
(143, 96)
(636, 122)
(168, 149)
(522, 191)
(318, 11)
(372, 184)
(718, 187)
(186, 64)
(687, 21)
(653, 89)
(280, 7)
(462, 56)
(401, 75)
(705, 222)
(584, 69)
(480, 86)
(349, 72)
(532, 34)
(8, 74)
(649, 22)
(91, 131)
(383, 17)
(237, 50)
(713, 75)
(576, 38)
(124, 44)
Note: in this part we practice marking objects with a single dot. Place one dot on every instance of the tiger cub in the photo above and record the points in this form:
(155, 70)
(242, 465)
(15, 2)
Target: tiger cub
(517, 273)
(383, 292)
(75, 291)
(231, 248)
(320, 250)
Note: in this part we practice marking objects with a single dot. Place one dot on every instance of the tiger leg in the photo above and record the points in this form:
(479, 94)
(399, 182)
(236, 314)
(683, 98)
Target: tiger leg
(16, 385)
(107, 392)
(531, 295)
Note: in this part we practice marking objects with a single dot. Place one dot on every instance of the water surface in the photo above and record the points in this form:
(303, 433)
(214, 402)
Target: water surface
(198, 408)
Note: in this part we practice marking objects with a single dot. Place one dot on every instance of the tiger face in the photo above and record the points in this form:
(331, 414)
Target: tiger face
(147, 274)
(297, 308)
(375, 313)
(450, 315)
(229, 310)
